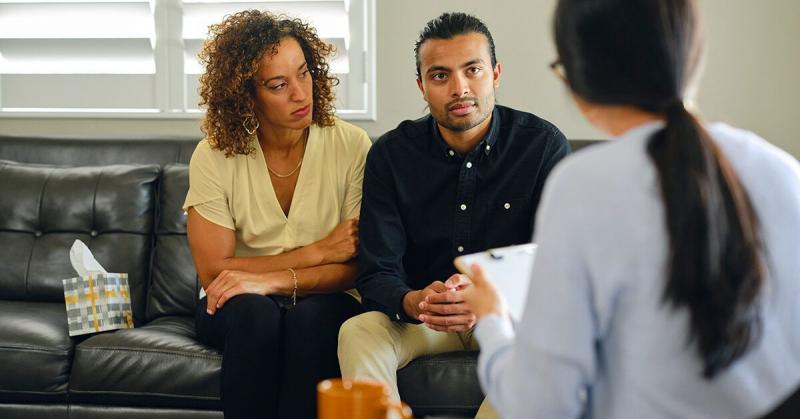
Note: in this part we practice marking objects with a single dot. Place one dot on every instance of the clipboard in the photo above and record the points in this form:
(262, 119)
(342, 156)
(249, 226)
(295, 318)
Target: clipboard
(509, 269)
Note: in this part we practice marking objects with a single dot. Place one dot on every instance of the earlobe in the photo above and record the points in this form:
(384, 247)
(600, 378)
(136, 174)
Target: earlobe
(496, 74)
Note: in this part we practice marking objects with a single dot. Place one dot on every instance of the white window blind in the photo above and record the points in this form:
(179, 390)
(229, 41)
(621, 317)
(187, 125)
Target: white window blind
(127, 58)
(58, 55)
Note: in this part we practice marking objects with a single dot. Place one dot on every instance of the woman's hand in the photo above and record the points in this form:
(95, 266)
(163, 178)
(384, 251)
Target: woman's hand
(482, 297)
(229, 284)
(341, 244)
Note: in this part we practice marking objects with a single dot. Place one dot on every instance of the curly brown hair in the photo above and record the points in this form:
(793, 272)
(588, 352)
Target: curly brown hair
(231, 56)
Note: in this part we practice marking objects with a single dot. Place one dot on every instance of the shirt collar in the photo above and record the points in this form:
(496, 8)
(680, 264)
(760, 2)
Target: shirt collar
(487, 144)
(642, 131)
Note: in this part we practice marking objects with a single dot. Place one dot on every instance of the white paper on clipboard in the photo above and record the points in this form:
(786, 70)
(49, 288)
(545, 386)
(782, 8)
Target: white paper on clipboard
(509, 269)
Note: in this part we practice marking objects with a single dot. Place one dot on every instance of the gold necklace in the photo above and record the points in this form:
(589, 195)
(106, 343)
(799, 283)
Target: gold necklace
(300, 163)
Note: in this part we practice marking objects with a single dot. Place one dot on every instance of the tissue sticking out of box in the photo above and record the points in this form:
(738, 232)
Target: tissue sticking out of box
(83, 260)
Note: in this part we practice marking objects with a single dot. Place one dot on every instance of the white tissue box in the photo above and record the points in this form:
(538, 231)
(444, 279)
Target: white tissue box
(98, 302)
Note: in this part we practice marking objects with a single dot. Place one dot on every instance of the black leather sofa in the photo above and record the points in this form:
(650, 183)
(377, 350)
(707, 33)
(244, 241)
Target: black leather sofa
(123, 198)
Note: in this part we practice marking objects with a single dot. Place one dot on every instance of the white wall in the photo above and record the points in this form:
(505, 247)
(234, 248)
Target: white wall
(752, 76)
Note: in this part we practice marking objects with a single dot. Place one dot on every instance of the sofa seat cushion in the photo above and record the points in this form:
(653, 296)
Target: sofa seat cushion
(442, 384)
(36, 351)
(159, 364)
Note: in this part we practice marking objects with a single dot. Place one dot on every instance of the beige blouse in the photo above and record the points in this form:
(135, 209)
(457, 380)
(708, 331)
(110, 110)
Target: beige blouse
(236, 192)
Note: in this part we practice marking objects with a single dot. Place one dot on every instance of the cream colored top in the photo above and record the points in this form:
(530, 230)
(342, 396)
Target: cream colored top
(236, 192)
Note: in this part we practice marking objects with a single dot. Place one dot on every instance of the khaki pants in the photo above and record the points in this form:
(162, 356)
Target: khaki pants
(372, 346)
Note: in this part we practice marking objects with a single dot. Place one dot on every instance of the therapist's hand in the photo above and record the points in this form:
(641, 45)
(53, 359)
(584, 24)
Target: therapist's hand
(482, 297)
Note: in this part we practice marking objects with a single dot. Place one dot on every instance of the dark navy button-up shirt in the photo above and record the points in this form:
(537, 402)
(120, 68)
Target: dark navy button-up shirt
(424, 203)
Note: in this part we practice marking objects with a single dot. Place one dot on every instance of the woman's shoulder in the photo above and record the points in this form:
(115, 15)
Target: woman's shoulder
(610, 162)
(755, 159)
(205, 150)
(343, 130)
(206, 153)
(344, 138)
(741, 144)
(601, 176)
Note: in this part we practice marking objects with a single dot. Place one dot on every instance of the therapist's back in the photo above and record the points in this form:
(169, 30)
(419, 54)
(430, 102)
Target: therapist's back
(667, 278)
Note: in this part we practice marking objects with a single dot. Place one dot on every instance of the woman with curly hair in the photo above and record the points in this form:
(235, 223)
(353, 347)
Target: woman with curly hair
(274, 191)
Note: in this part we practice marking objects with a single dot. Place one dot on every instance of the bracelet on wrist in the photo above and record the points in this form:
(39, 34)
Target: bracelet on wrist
(294, 291)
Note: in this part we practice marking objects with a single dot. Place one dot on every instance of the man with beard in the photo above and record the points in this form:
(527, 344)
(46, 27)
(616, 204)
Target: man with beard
(465, 178)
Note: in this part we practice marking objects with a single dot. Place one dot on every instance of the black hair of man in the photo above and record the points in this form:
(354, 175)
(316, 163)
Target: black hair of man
(448, 26)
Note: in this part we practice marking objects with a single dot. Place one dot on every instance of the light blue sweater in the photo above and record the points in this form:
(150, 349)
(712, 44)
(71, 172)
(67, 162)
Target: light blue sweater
(594, 322)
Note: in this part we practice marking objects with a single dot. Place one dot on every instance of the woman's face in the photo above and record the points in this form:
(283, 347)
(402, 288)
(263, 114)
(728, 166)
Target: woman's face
(284, 88)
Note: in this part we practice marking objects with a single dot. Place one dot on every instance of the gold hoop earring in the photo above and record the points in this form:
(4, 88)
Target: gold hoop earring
(249, 119)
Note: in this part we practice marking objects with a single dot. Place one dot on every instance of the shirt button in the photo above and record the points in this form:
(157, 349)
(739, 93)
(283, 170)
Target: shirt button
(506, 205)
(463, 207)
(488, 147)
(93, 233)
(397, 316)
(469, 165)
(451, 153)
(37, 234)
(460, 249)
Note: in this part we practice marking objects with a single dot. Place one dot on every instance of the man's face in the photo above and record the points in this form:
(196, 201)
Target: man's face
(458, 81)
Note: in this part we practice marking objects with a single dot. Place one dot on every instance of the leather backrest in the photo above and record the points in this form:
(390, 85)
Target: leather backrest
(97, 152)
(174, 286)
(43, 209)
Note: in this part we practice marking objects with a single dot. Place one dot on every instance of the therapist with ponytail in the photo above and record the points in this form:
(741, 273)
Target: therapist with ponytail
(667, 277)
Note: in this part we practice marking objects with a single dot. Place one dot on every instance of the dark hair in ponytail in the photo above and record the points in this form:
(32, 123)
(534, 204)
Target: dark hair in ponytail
(644, 54)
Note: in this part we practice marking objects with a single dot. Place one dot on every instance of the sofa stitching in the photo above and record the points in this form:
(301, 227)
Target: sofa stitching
(63, 351)
(38, 226)
(94, 206)
(143, 393)
(158, 187)
(154, 351)
(39, 393)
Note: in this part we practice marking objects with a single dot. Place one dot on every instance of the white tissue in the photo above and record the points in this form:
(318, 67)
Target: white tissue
(83, 261)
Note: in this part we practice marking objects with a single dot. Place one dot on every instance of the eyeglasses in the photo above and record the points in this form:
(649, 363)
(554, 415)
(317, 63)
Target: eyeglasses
(558, 69)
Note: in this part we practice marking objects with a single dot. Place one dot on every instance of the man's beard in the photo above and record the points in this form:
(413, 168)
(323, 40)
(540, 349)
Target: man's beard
(463, 124)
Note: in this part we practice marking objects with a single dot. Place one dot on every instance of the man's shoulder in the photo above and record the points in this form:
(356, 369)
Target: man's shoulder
(416, 130)
(529, 121)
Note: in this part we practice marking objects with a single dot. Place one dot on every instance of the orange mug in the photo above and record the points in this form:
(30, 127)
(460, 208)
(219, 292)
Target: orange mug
(357, 399)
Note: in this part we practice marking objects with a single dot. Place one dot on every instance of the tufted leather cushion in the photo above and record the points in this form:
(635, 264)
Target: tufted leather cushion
(44, 209)
(442, 384)
(35, 351)
(174, 286)
(159, 364)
